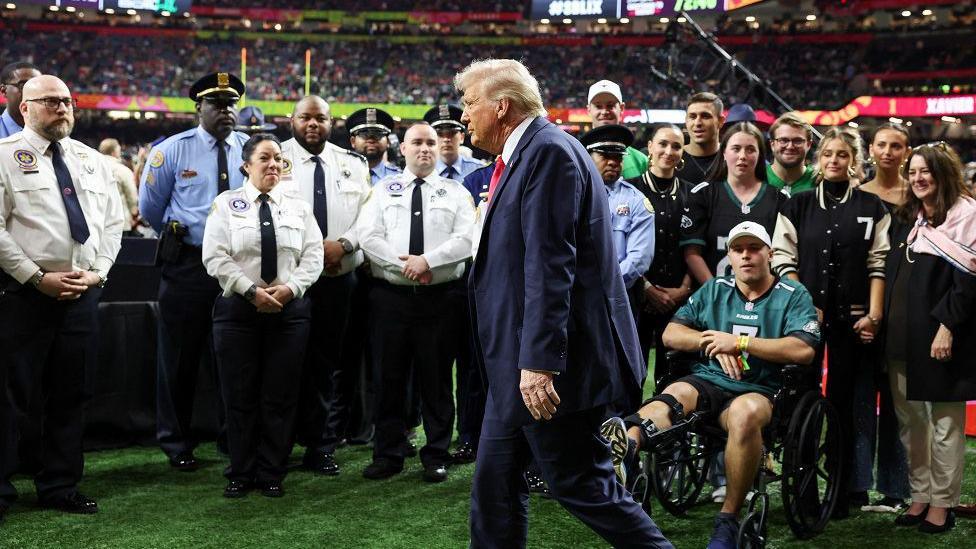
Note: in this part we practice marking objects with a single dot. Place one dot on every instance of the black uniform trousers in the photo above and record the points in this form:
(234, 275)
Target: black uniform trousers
(326, 393)
(650, 330)
(357, 364)
(410, 331)
(845, 356)
(471, 393)
(46, 347)
(574, 460)
(260, 357)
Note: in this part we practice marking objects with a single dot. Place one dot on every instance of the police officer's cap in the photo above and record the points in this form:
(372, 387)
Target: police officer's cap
(370, 119)
(445, 117)
(214, 83)
(252, 120)
(609, 139)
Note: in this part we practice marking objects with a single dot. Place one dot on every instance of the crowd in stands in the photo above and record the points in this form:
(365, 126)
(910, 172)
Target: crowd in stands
(377, 5)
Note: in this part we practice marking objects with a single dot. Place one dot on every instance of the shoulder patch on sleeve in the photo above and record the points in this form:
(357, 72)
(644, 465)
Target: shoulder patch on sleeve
(699, 186)
(812, 328)
(157, 158)
(647, 205)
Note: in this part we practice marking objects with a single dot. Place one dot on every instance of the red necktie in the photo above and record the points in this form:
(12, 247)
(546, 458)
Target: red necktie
(496, 176)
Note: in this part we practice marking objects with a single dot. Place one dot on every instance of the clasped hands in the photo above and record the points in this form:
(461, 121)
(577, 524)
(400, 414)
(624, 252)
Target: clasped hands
(723, 347)
(416, 268)
(66, 286)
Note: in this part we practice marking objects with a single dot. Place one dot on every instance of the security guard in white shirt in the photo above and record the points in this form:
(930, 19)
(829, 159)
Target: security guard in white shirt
(264, 247)
(335, 183)
(416, 232)
(61, 222)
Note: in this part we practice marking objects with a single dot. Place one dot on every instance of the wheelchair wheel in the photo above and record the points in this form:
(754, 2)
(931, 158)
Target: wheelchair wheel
(811, 468)
(752, 532)
(677, 471)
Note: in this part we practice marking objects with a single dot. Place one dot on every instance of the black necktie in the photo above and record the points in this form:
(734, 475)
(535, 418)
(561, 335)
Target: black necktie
(269, 245)
(319, 200)
(223, 179)
(449, 172)
(76, 217)
(417, 218)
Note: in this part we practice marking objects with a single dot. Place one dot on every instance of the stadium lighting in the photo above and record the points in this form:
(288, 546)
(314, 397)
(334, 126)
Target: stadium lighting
(853, 124)
(277, 26)
(906, 13)
(909, 123)
(109, 11)
(11, 6)
(165, 13)
(681, 19)
(81, 15)
(895, 120)
(750, 19)
(602, 21)
(811, 17)
(53, 8)
(544, 21)
(664, 20)
(70, 9)
(186, 14)
(624, 20)
(130, 12)
(951, 119)
(926, 13)
(567, 21)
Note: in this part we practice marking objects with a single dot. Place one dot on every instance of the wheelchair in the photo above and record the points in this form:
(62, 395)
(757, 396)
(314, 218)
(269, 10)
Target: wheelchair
(803, 436)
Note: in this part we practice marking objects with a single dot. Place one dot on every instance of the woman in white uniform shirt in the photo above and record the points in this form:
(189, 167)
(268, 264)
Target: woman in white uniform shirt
(264, 247)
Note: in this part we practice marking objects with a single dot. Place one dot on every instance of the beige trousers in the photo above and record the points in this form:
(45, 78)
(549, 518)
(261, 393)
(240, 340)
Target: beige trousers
(934, 437)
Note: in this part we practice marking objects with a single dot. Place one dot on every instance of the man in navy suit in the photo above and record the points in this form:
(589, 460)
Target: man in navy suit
(553, 327)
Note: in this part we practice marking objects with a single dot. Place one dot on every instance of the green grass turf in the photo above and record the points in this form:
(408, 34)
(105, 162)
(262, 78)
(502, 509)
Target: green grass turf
(144, 504)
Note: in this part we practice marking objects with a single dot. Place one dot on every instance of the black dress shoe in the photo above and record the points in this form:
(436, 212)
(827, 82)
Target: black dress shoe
(184, 462)
(465, 453)
(927, 527)
(272, 489)
(322, 464)
(237, 489)
(905, 519)
(381, 468)
(409, 449)
(72, 502)
(435, 473)
(536, 484)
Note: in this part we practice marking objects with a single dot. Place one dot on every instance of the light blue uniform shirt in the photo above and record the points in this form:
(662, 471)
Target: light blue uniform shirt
(632, 219)
(383, 170)
(180, 179)
(459, 169)
(8, 126)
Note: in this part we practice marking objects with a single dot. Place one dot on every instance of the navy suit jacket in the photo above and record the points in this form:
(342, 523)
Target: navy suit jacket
(545, 289)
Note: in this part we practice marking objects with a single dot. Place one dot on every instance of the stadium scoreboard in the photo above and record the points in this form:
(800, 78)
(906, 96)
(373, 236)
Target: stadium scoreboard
(591, 9)
(158, 6)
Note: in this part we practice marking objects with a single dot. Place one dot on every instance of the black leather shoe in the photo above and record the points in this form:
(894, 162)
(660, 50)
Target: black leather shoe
(272, 489)
(536, 484)
(435, 473)
(237, 489)
(184, 462)
(905, 519)
(927, 527)
(380, 469)
(73, 502)
(322, 464)
(409, 449)
(465, 453)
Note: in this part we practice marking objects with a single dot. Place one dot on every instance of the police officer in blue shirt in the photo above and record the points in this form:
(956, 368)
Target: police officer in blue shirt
(368, 133)
(13, 76)
(252, 121)
(446, 121)
(185, 173)
(630, 211)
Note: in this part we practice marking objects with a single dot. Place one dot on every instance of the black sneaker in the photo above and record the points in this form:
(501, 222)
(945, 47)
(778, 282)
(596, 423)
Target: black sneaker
(726, 532)
(536, 484)
(615, 432)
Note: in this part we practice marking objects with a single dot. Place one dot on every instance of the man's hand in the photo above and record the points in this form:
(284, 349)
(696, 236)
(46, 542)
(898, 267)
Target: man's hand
(426, 278)
(281, 293)
(66, 285)
(333, 253)
(714, 342)
(942, 344)
(866, 329)
(658, 300)
(265, 302)
(414, 266)
(730, 364)
(539, 394)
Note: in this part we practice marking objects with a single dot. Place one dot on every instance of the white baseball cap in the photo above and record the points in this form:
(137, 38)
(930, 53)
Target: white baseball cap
(604, 86)
(749, 228)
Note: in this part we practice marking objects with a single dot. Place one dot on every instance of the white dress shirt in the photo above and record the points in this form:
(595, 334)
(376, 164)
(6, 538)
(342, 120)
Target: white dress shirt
(384, 227)
(232, 241)
(509, 148)
(347, 188)
(34, 232)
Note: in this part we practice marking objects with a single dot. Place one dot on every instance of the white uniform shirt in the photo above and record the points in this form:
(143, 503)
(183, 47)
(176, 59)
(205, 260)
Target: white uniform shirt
(384, 227)
(34, 230)
(347, 189)
(232, 241)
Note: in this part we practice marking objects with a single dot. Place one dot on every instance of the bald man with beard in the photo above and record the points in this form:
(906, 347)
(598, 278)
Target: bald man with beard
(61, 221)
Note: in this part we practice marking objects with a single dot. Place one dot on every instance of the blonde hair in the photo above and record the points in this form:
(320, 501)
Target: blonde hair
(504, 78)
(853, 140)
(793, 120)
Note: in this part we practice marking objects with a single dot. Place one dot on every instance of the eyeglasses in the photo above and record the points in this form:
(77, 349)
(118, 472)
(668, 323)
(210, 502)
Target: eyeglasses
(52, 103)
(784, 141)
(371, 134)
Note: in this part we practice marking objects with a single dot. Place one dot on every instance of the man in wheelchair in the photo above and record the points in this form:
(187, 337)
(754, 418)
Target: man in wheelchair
(744, 328)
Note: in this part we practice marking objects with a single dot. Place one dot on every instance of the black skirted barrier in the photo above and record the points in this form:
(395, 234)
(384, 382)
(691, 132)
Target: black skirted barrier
(122, 382)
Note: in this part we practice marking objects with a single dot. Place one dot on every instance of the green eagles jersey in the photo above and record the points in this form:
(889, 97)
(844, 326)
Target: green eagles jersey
(635, 163)
(805, 183)
(785, 310)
